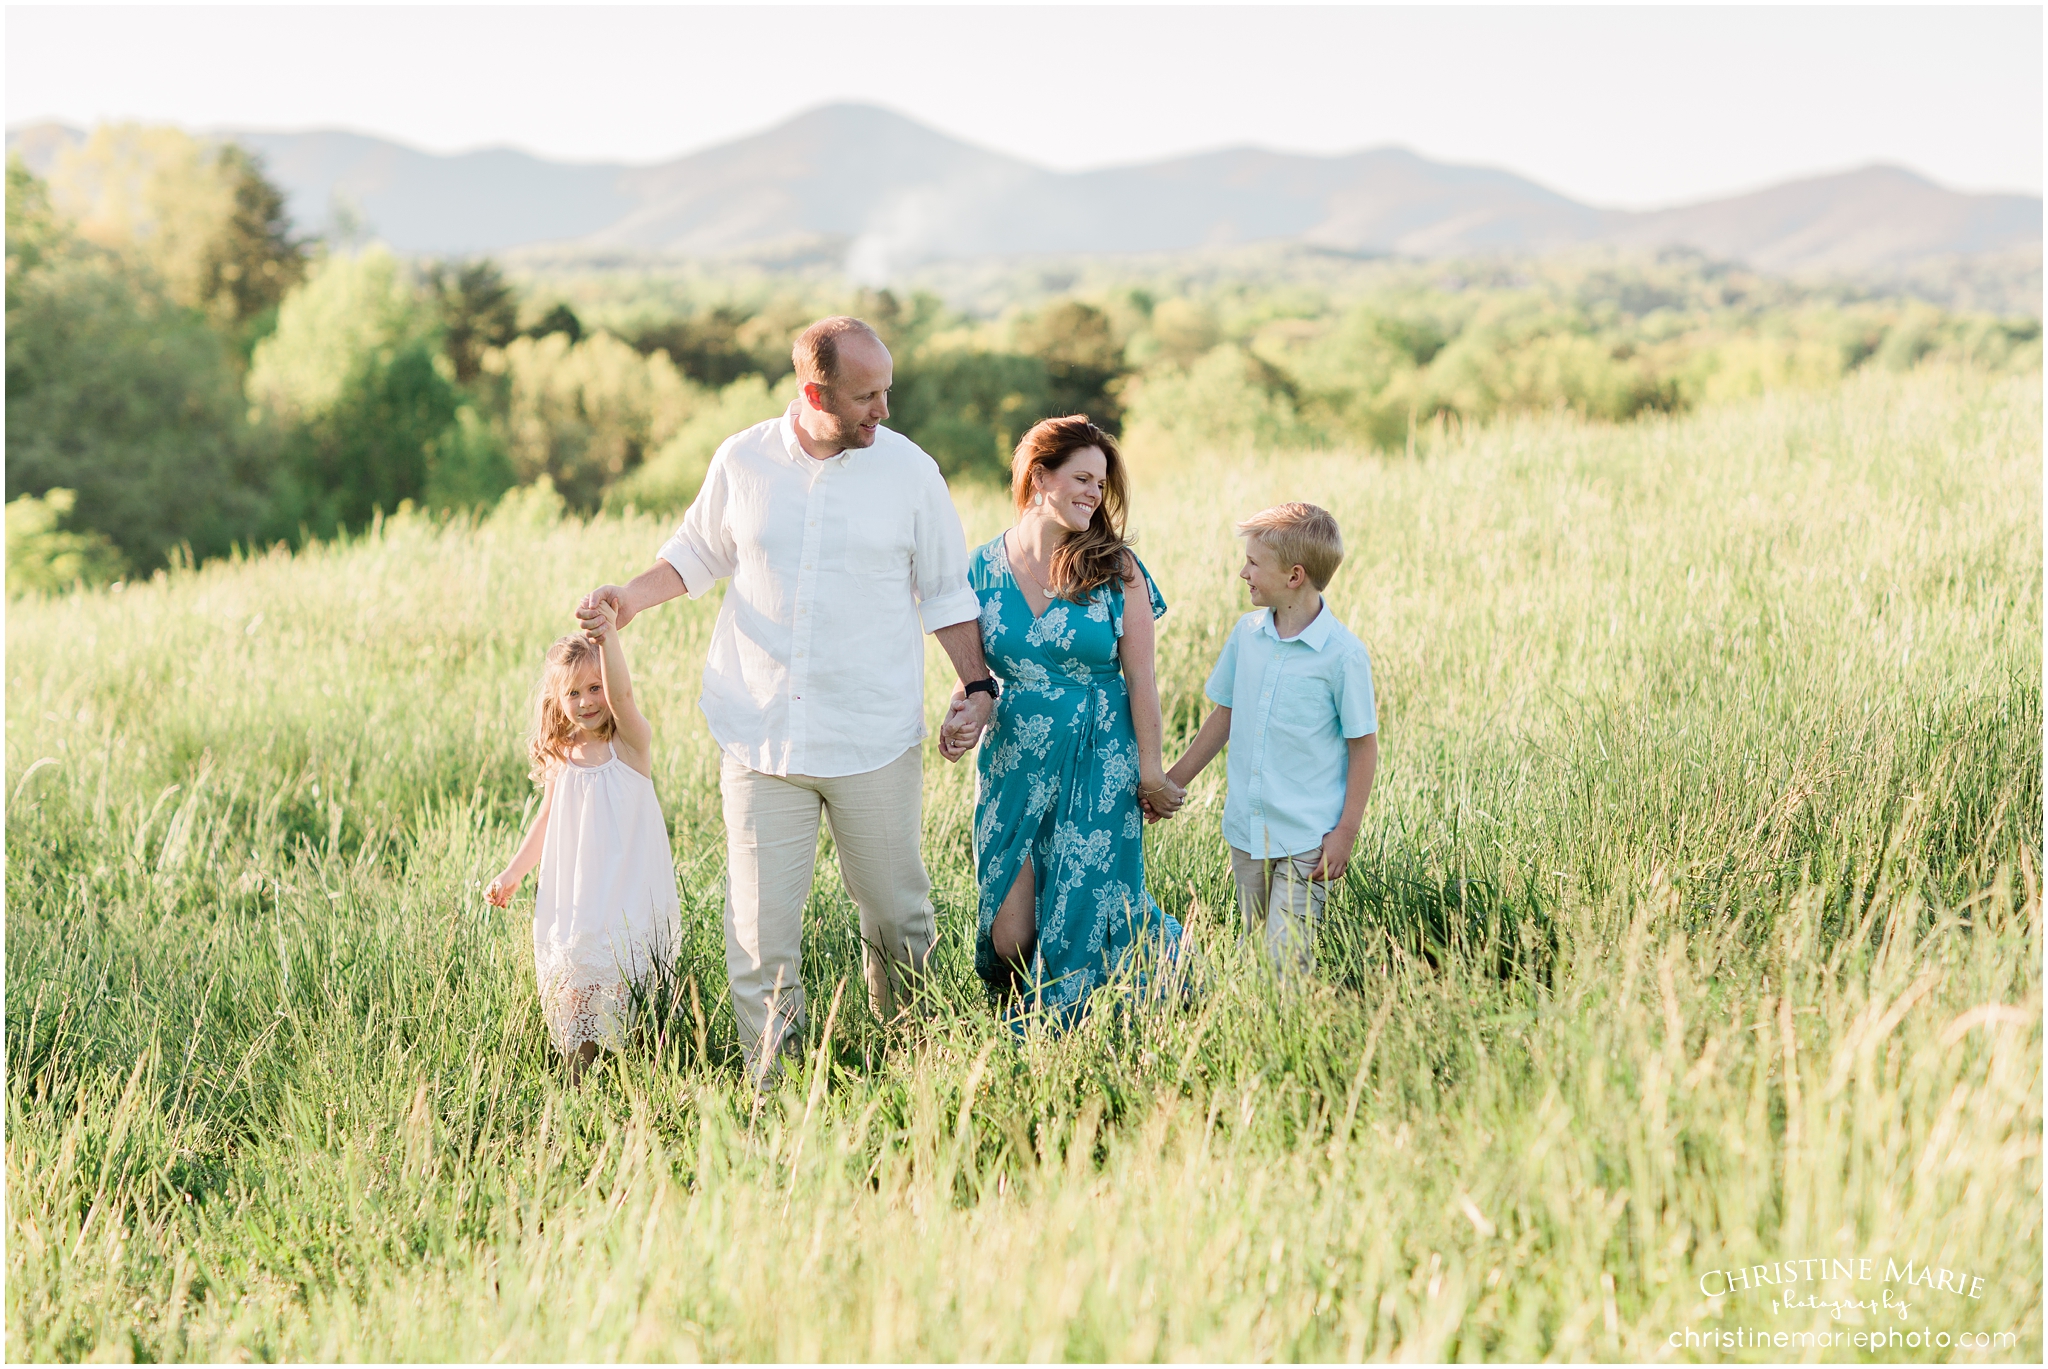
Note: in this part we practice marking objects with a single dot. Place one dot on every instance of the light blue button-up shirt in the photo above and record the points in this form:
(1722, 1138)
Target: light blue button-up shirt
(1292, 705)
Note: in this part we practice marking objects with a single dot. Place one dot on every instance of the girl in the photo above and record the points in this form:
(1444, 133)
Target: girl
(606, 912)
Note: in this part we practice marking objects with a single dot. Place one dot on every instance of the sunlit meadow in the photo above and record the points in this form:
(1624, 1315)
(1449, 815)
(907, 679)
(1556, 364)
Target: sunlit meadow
(1696, 926)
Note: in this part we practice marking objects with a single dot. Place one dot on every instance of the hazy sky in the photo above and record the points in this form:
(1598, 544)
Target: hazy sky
(1618, 106)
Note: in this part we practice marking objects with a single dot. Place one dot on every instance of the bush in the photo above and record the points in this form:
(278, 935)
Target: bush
(43, 556)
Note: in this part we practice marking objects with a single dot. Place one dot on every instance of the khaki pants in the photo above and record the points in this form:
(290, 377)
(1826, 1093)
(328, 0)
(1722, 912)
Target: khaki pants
(771, 836)
(1281, 898)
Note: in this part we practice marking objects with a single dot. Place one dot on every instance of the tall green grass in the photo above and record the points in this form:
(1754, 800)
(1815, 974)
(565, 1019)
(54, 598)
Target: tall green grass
(1696, 924)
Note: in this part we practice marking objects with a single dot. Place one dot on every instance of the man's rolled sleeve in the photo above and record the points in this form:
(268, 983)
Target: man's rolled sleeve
(697, 577)
(962, 605)
(699, 549)
(943, 595)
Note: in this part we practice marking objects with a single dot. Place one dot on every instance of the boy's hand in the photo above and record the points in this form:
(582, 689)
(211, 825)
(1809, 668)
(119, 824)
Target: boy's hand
(499, 893)
(1336, 854)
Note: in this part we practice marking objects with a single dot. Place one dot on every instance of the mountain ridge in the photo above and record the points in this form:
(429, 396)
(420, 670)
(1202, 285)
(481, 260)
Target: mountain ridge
(887, 194)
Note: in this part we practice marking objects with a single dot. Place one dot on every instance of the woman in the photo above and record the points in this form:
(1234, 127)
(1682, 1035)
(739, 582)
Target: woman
(1073, 747)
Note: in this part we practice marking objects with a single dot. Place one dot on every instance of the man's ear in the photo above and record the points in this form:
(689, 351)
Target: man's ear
(814, 395)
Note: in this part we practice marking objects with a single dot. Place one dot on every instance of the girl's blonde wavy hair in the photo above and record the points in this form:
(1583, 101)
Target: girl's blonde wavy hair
(547, 744)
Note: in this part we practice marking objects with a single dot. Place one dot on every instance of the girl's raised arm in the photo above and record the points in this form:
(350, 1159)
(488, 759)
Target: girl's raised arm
(634, 737)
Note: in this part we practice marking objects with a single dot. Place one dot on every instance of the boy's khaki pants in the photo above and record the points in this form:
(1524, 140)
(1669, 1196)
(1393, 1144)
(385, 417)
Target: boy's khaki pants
(771, 836)
(1281, 897)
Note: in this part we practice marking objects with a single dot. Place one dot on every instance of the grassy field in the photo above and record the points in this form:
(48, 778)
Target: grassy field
(1696, 926)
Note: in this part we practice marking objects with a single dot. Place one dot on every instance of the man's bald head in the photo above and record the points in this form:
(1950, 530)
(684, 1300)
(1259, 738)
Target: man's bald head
(816, 353)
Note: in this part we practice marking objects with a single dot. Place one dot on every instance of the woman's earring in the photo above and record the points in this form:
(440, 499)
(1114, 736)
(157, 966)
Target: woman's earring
(1037, 498)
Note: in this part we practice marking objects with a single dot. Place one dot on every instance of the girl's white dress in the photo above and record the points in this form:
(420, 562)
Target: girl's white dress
(606, 912)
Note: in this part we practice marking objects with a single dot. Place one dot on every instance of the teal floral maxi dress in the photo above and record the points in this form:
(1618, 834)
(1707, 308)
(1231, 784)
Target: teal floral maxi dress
(1058, 773)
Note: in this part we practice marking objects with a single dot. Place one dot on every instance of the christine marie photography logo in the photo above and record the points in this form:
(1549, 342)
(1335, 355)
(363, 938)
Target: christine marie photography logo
(1787, 1282)
(1852, 1290)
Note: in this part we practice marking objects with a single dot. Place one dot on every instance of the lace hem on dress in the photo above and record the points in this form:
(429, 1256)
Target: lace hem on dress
(582, 1003)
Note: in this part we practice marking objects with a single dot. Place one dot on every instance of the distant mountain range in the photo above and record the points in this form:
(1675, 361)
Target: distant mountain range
(890, 194)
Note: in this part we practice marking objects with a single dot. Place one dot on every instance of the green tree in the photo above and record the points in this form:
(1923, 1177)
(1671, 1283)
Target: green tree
(372, 449)
(1083, 359)
(252, 260)
(967, 408)
(202, 216)
(120, 393)
(479, 310)
(1229, 400)
(560, 319)
(586, 413)
(670, 478)
(355, 378)
(1184, 331)
(705, 347)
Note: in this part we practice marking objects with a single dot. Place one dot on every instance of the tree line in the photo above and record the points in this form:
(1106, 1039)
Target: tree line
(187, 374)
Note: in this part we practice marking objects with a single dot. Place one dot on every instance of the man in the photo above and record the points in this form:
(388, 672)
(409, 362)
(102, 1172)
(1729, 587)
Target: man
(839, 537)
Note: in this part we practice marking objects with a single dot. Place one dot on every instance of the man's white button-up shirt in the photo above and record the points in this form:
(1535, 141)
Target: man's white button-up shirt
(817, 663)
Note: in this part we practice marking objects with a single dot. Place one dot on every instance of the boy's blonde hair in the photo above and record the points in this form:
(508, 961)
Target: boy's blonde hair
(547, 744)
(1300, 535)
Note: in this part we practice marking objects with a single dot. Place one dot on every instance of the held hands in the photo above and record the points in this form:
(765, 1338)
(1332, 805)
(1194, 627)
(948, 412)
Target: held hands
(607, 624)
(966, 717)
(591, 614)
(1160, 797)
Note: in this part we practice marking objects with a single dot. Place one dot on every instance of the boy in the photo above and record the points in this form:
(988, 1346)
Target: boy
(1293, 690)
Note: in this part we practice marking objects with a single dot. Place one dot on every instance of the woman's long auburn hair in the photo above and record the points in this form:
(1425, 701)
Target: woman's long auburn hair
(1095, 555)
(547, 744)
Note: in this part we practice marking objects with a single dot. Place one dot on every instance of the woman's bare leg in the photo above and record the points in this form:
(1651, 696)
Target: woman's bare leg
(1014, 934)
(580, 1060)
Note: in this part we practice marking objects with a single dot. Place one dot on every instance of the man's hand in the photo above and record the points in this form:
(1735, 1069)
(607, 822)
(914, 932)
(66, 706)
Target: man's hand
(591, 615)
(1336, 854)
(966, 718)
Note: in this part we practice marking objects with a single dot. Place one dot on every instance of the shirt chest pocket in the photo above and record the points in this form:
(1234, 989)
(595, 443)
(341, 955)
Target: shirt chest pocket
(868, 547)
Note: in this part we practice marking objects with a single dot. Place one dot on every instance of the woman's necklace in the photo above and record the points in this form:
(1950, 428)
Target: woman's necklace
(1025, 561)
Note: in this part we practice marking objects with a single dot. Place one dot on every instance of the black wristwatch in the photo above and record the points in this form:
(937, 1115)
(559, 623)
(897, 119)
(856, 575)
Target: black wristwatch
(988, 687)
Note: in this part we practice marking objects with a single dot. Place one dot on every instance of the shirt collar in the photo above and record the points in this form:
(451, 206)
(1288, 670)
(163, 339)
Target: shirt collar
(1315, 636)
(796, 448)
